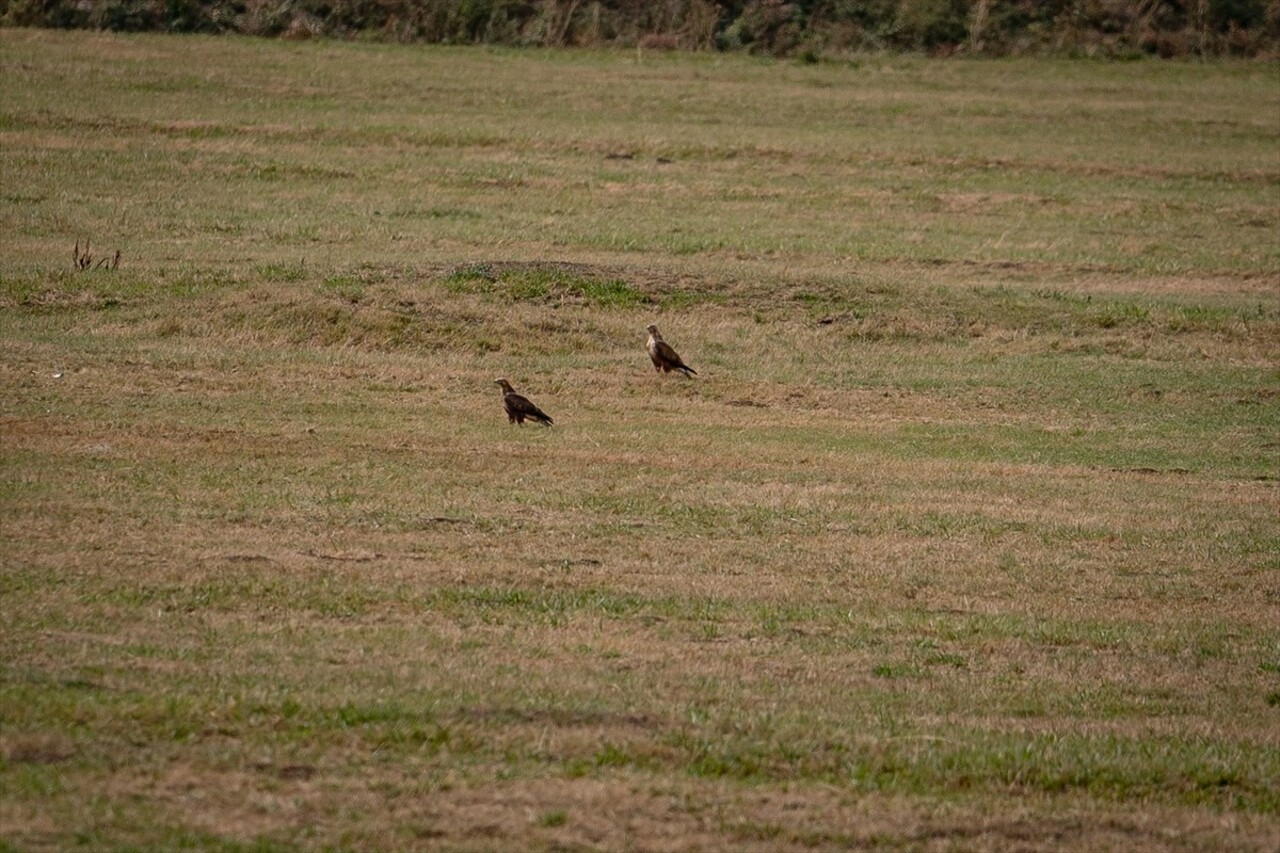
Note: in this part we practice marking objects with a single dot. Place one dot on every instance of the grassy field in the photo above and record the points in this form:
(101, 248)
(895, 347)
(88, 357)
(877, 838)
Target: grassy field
(966, 536)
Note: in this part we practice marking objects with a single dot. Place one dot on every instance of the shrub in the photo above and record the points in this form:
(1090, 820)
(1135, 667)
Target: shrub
(804, 28)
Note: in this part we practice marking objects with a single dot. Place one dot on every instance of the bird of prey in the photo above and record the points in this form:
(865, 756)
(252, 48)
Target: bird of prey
(519, 406)
(663, 356)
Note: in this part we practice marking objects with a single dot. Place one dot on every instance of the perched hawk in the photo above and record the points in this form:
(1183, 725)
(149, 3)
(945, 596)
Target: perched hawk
(663, 356)
(519, 407)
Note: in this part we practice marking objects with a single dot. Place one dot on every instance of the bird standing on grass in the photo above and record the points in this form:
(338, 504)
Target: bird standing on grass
(520, 407)
(664, 358)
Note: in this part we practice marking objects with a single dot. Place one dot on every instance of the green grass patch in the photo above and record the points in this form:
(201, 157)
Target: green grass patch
(543, 285)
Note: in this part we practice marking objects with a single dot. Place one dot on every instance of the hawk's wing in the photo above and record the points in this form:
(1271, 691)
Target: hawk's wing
(520, 404)
(664, 354)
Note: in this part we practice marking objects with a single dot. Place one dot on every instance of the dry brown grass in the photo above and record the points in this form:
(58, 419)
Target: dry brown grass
(602, 593)
(964, 538)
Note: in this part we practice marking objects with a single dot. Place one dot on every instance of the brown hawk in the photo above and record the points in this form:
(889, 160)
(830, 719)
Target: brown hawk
(520, 407)
(664, 358)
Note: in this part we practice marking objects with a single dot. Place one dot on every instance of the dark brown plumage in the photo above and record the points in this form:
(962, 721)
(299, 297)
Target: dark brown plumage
(664, 358)
(519, 406)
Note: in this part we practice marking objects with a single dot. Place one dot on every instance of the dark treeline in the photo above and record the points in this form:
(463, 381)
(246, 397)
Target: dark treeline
(808, 29)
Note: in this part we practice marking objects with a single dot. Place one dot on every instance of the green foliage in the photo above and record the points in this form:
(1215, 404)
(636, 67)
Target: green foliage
(805, 29)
